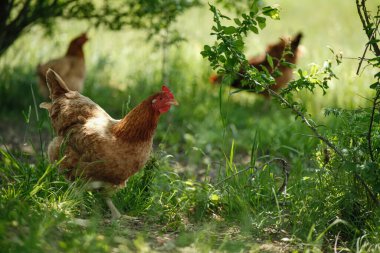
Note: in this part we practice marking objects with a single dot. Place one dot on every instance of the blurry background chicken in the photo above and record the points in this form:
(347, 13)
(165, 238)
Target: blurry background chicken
(96, 146)
(277, 51)
(71, 67)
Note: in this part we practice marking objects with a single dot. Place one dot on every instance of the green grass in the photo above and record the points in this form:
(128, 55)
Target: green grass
(188, 197)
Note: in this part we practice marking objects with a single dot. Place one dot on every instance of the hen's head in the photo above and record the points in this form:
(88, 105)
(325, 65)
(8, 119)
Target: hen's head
(76, 45)
(276, 50)
(286, 43)
(80, 40)
(162, 101)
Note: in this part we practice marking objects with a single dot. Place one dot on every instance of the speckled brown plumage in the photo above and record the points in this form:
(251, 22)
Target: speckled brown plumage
(94, 145)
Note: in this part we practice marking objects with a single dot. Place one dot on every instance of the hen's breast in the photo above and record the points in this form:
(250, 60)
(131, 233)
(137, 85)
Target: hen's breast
(106, 158)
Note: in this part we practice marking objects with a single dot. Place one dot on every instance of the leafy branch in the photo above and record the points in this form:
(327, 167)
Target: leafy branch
(371, 27)
(227, 57)
(308, 122)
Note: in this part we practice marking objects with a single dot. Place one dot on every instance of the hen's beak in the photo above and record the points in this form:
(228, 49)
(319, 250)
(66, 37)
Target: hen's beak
(173, 102)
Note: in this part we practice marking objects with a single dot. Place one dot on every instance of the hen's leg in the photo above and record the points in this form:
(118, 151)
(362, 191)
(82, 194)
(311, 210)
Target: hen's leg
(115, 214)
(107, 192)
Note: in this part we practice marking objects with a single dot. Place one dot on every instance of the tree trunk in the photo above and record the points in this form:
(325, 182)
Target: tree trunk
(11, 30)
(29, 13)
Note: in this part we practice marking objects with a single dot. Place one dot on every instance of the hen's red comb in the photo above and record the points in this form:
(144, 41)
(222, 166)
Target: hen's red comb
(167, 91)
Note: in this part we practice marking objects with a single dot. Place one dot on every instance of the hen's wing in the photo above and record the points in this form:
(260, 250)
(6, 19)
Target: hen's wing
(82, 128)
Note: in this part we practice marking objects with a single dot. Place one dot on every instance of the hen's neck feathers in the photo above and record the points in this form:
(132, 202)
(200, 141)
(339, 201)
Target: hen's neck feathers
(75, 50)
(139, 124)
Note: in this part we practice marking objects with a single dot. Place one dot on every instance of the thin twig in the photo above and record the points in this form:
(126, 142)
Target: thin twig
(367, 46)
(369, 135)
(327, 142)
(165, 45)
(303, 117)
(366, 23)
(365, 19)
(235, 174)
(369, 191)
(355, 58)
(361, 96)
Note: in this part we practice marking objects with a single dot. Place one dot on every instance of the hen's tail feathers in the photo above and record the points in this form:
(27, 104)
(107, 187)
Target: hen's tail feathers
(56, 85)
(296, 41)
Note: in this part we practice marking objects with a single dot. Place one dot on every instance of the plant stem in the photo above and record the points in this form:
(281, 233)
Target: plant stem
(327, 142)
(367, 46)
(369, 191)
(369, 135)
(307, 122)
(164, 72)
(366, 22)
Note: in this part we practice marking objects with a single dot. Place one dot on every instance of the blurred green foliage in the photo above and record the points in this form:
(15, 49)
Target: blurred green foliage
(351, 151)
(17, 17)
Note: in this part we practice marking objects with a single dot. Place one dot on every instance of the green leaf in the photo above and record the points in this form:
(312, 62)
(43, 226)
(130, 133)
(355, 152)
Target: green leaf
(254, 29)
(239, 44)
(271, 12)
(255, 8)
(207, 48)
(229, 30)
(375, 86)
(237, 21)
(225, 17)
(288, 64)
(261, 21)
(222, 58)
(270, 60)
(214, 197)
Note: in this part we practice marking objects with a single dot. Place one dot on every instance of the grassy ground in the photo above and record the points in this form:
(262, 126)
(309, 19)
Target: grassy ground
(188, 198)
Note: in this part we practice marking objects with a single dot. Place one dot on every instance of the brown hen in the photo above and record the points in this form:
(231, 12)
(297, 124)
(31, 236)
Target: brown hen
(277, 51)
(71, 67)
(95, 146)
